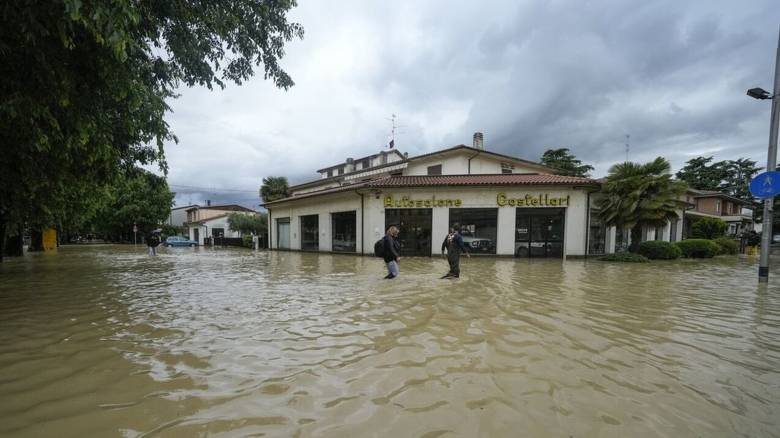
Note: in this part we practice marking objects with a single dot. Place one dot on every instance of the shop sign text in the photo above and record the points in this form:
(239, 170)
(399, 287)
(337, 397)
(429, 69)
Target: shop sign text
(532, 201)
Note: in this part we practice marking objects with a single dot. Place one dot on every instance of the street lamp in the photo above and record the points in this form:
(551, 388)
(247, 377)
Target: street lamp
(771, 165)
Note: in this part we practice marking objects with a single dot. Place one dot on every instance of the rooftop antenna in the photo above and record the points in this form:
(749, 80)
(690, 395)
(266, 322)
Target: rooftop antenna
(628, 145)
(392, 132)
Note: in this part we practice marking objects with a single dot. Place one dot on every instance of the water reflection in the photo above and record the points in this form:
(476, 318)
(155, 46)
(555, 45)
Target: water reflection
(106, 341)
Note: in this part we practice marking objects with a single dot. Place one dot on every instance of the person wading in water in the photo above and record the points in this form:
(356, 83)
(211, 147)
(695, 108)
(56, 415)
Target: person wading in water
(453, 243)
(392, 252)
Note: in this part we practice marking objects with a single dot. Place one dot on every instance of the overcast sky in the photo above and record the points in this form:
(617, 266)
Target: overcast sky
(529, 75)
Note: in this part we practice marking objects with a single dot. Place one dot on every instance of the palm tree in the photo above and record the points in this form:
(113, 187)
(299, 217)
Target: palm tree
(273, 188)
(636, 195)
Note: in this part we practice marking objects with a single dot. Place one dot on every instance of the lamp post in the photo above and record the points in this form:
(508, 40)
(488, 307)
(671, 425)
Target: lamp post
(771, 164)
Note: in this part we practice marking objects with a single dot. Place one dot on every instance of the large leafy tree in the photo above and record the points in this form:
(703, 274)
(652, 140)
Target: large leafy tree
(137, 197)
(702, 174)
(273, 188)
(248, 223)
(636, 195)
(565, 162)
(85, 85)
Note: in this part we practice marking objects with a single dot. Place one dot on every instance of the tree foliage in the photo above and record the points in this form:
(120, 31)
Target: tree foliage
(138, 197)
(566, 163)
(85, 85)
(274, 188)
(248, 223)
(636, 195)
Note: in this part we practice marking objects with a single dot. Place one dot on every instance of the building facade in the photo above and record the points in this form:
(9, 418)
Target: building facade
(504, 206)
(212, 221)
(707, 203)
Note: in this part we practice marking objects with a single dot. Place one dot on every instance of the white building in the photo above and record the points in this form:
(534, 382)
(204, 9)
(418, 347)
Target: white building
(178, 215)
(212, 221)
(506, 206)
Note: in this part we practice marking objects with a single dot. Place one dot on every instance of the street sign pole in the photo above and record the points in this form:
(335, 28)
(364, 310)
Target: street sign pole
(135, 234)
(771, 164)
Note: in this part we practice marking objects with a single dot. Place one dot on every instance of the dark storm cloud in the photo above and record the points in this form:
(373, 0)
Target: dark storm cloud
(530, 76)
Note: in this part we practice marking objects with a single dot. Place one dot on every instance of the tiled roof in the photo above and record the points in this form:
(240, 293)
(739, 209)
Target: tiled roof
(345, 188)
(451, 180)
(230, 207)
(480, 180)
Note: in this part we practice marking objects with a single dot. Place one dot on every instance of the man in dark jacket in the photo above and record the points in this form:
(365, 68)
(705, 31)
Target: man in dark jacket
(153, 241)
(392, 251)
(453, 243)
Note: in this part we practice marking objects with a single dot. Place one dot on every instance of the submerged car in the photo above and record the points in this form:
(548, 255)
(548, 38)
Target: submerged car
(477, 244)
(179, 241)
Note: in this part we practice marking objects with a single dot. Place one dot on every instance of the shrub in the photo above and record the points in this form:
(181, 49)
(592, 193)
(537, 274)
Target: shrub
(727, 246)
(247, 241)
(659, 250)
(698, 248)
(626, 257)
(708, 228)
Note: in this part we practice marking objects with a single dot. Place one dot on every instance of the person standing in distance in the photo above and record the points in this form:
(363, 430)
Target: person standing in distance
(453, 243)
(152, 241)
(392, 251)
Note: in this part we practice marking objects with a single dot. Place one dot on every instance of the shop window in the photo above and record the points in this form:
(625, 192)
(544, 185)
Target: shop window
(597, 235)
(344, 231)
(478, 226)
(621, 239)
(539, 232)
(434, 170)
(310, 238)
(415, 226)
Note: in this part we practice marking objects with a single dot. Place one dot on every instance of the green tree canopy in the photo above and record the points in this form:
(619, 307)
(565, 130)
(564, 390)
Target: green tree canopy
(85, 85)
(273, 188)
(249, 223)
(565, 162)
(636, 195)
(137, 197)
(702, 174)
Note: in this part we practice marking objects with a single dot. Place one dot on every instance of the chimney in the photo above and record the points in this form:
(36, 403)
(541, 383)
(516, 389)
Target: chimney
(208, 203)
(478, 143)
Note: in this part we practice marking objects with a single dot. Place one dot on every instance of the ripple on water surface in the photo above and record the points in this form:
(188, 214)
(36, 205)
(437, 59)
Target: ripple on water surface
(102, 341)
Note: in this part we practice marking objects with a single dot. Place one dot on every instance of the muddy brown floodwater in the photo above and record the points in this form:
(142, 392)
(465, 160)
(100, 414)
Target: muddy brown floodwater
(106, 341)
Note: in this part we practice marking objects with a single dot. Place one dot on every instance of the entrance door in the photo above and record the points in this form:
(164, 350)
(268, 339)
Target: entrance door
(415, 225)
(196, 235)
(539, 232)
(283, 233)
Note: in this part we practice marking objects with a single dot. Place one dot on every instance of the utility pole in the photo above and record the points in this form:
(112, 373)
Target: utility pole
(628, 137)
(771, 165)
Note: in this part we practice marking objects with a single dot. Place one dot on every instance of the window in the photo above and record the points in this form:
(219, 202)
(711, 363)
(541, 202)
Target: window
(505, 170)
(330, 173)
(673, 230)
(478, 227)
(310, 239)
(717, 206)
(539, 232)
(341, 171)
(365, 164)
(597, 235)
(434, 170)
(344, 235)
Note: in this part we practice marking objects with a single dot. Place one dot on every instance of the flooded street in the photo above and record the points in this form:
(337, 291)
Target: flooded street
(106, 341)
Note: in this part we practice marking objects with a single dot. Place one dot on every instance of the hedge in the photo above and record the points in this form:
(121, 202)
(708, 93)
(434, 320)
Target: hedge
(727, 246)
(698, 248)
(708, 228)
(625, 257)
(659, 250)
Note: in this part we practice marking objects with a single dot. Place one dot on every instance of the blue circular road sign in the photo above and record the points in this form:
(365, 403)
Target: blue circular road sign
(765, 185)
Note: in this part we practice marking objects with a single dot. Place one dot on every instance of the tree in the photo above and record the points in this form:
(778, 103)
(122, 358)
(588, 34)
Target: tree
(636, 195)
(273, 188)
(701, 175)
(249, 223)
(85, 85)
(139, 197)
(708, 228)
(739, 173)
(565, 162)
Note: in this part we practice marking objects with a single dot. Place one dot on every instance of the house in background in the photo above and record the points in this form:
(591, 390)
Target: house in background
(212, 221)
(707, 203)
(178, 215)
